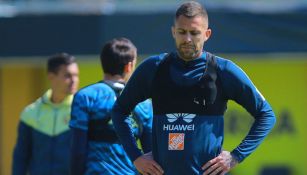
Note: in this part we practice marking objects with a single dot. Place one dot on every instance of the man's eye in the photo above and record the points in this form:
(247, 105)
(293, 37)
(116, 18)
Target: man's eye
(195, 33)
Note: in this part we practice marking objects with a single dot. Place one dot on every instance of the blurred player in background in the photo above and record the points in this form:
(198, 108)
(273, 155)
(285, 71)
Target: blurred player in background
(42, 146)
(95, 146)
(190, 89)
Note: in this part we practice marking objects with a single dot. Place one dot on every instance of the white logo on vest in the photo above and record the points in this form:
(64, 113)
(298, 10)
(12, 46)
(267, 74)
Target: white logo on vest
(188, 118)
(185, 116)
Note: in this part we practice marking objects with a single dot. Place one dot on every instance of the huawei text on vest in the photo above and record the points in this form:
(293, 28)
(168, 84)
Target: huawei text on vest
(169, 127)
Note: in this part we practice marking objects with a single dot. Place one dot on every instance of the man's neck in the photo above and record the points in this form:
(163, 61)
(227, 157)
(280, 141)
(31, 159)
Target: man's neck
(115, 78)
(190, 59)
(57, 98)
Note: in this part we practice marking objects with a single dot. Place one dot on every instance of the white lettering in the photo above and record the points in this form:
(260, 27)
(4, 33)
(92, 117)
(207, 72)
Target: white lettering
(178, 127)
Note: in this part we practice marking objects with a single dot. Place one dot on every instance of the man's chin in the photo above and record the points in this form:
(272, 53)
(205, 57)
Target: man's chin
(72, 91)
(187, 56)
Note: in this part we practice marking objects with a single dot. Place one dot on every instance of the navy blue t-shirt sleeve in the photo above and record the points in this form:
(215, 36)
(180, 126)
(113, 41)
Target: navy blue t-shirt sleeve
(136, 91)
(238, 87)
(22, 151)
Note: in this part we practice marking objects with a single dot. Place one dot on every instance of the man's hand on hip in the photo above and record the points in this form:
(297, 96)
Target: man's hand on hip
(147, 166)
(220, 165)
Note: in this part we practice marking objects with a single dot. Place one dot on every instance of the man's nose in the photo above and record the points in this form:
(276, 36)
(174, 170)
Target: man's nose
(74, 79)
(188, 37)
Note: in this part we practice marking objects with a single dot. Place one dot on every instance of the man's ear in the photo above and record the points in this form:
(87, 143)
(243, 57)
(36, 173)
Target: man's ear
(207, 34)
(173, 31)
(50, 76)
(128, 67)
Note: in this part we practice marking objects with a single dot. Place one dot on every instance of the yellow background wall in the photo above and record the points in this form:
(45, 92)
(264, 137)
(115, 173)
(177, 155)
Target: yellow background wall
(22, 82)
(19, 85)
(282, 82)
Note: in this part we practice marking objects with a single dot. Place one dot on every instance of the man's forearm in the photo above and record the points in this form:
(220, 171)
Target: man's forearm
(125, 133)
(259, 130)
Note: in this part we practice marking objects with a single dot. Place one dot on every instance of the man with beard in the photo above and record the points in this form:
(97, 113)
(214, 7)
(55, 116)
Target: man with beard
(190, 89)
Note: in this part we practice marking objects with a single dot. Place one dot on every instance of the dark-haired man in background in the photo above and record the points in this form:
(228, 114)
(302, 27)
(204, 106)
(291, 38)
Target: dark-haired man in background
(42, 146)
(95, 146)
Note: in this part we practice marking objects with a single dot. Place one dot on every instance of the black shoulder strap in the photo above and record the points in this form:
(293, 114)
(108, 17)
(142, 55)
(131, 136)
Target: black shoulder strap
(208, 81)
(166, 59)
(211, 66)
(116, 86)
